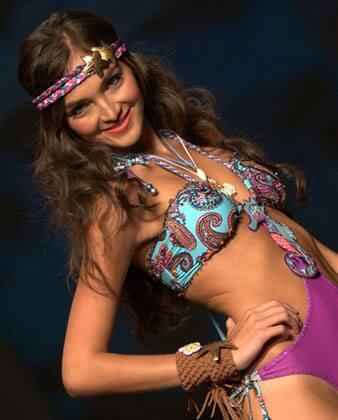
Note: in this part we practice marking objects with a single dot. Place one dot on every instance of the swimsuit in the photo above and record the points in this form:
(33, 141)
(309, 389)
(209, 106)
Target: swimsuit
(199, 222)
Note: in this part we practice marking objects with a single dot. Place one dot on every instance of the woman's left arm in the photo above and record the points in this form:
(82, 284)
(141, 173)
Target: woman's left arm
(330, 255)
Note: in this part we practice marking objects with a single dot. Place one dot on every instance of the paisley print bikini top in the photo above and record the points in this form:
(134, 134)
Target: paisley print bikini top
(201, 218)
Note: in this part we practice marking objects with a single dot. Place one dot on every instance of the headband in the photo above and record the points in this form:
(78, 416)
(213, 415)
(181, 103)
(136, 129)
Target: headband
(92, 64)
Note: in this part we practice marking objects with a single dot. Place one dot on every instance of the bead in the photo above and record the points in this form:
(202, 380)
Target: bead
(149, 187)
(119, 167)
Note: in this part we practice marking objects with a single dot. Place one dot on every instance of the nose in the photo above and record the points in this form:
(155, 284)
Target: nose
(108, 112)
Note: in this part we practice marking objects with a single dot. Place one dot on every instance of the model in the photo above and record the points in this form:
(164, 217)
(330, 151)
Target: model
(161, 209)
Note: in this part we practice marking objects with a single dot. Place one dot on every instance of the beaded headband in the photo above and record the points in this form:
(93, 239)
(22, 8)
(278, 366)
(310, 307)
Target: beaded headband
(93, 64)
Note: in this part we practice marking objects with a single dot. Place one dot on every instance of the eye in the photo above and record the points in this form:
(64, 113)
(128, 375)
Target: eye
(114, 80)
(78, 110)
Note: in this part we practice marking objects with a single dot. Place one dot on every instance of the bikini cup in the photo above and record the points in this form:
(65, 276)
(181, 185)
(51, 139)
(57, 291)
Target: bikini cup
(198, 222)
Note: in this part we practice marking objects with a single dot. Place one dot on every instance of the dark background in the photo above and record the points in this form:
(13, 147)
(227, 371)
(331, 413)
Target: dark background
(273, 67)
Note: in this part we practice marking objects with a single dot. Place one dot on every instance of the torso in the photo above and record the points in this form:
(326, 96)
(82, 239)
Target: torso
(249, 261)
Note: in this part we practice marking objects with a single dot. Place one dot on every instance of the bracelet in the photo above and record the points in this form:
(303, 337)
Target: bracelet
(213, 365)
(197, 364)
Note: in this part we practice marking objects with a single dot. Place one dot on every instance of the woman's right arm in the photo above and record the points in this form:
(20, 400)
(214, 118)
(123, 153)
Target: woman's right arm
(87, 366)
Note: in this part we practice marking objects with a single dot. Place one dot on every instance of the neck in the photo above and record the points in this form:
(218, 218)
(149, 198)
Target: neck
(150, 142)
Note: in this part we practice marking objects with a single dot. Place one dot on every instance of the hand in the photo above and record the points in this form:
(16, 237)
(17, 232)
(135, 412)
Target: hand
(257, 326)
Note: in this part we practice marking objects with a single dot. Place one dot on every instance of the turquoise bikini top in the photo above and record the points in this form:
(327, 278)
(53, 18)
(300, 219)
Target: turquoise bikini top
(202, 218)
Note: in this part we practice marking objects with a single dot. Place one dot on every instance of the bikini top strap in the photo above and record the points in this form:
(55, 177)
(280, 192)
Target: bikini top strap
(224, 162)
(129, 160)
(171, 168)
(228, 163)
(167, 134)
(124, 166)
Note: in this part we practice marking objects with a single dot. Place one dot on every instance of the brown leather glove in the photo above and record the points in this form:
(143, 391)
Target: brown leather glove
(213, 363)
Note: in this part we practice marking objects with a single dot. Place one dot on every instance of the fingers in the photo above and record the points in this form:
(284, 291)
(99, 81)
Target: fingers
(280, 330)
(279, 316)
(258, 325)
(272, 313)
(271, 304)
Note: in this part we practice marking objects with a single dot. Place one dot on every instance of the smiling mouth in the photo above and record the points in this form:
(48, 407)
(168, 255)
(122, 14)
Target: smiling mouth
(121, 125)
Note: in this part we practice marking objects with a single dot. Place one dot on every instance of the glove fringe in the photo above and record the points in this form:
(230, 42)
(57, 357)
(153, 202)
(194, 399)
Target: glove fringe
(217, 397)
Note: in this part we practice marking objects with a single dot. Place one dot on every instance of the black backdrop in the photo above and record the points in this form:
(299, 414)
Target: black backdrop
(273, 67)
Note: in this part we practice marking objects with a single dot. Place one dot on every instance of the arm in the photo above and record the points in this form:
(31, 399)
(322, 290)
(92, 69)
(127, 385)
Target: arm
(330, 255)
(87, 366)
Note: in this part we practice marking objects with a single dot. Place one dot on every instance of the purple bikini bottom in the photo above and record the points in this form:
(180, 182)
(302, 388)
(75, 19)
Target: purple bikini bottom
(315, 349)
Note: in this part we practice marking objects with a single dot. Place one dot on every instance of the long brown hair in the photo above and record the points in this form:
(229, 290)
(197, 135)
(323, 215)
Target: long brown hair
(73, 173)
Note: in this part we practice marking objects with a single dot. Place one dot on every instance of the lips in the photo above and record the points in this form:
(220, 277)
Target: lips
(121, 125)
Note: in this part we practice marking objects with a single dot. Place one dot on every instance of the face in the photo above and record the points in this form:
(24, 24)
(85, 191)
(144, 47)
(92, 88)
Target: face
(107, 110)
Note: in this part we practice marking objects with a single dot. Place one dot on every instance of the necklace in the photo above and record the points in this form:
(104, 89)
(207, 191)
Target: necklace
(226, 188)
(171, 135)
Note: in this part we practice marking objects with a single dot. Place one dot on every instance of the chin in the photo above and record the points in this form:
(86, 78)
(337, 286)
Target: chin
(128, 138)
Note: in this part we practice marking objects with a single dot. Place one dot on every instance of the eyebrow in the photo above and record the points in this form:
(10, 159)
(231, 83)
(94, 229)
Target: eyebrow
(110, 72)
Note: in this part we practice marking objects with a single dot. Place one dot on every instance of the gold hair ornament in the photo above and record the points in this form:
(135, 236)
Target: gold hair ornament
(99, 60)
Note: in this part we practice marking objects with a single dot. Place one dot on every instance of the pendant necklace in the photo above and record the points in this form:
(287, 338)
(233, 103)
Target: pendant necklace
(226, 188)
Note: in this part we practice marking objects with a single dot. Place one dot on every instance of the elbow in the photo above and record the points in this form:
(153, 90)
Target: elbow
(74, 374)
(80, 381)
(72, 392)
(74, 380)
(82, 377)
(73, 385)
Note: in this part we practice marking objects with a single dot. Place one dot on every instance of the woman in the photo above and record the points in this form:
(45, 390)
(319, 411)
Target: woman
(162, 209)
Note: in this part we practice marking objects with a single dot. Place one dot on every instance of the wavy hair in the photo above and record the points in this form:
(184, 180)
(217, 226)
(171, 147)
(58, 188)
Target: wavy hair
(73, 174)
